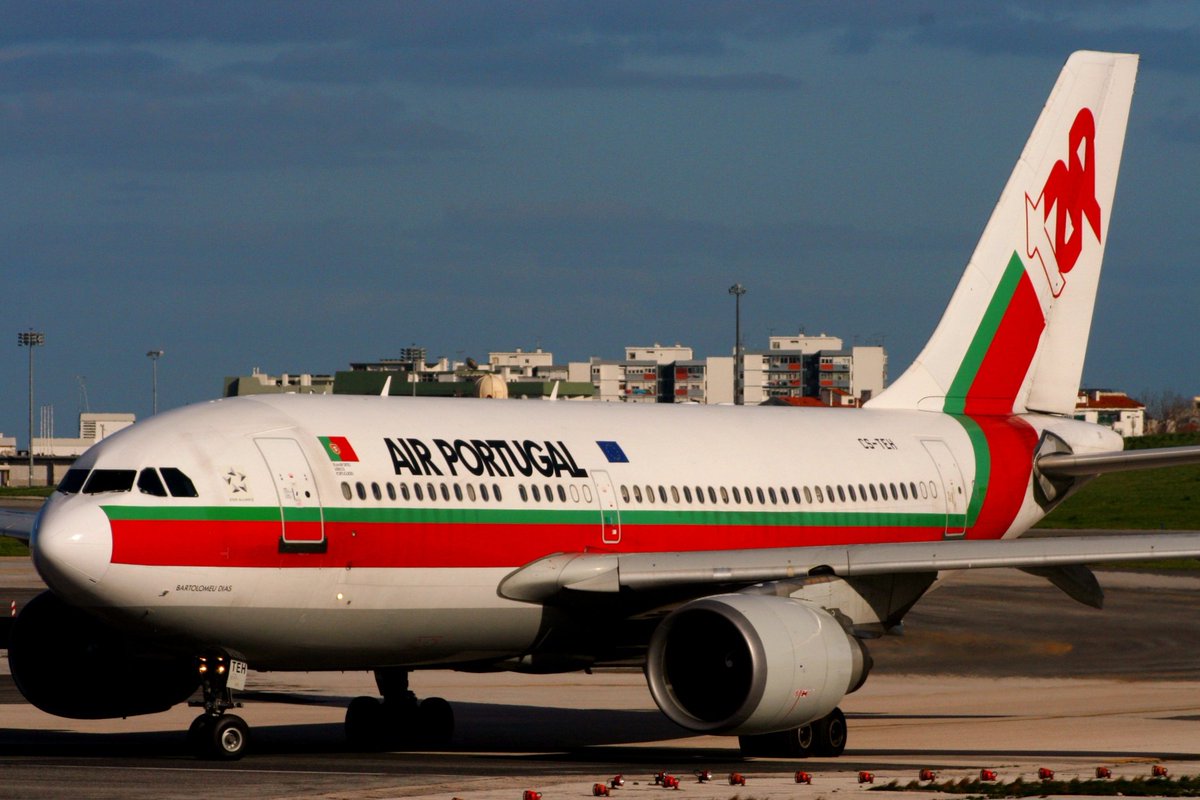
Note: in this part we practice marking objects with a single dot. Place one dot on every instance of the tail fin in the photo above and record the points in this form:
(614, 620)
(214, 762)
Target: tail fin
(1014, 335)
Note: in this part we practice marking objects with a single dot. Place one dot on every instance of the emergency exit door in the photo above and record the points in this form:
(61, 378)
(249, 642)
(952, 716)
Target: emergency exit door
(301, 523)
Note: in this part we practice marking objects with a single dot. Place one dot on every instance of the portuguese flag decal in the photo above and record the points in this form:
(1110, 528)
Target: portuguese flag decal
(338, 448)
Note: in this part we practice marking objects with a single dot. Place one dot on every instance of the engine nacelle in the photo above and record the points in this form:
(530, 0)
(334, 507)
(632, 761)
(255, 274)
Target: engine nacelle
(750, 664)
(70, 664)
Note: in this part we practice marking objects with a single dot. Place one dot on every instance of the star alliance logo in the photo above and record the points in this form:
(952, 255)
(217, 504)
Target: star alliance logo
(235, 479)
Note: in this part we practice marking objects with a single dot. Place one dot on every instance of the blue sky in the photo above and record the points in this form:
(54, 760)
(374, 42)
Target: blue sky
(293, 186)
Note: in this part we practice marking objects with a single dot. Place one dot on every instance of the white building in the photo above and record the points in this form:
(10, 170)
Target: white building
(1117, 410)
(519, 362)
(658, 353)
(93, 426)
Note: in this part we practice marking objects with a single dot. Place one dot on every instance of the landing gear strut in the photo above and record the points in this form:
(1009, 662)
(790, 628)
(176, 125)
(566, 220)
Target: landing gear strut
(823, 737)
(399, 720)
(215, 734)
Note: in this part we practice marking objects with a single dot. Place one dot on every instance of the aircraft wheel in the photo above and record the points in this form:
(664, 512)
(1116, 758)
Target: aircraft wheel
(435, 722)
(365, 723)
(227, 737)
(793, 743)
(830, 734)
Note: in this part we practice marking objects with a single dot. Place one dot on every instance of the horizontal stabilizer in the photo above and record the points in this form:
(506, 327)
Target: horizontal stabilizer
(1072, 465)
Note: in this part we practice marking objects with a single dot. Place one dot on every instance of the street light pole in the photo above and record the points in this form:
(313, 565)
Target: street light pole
(31, 339)
(739, 380)
(154, 356)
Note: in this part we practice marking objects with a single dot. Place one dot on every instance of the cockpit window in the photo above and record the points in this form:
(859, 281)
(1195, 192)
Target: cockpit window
(109, 480)
(180, 485)
(73, 481)
(148, 482)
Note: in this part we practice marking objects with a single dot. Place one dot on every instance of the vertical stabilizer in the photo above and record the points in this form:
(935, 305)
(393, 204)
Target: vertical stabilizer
(1015, 333)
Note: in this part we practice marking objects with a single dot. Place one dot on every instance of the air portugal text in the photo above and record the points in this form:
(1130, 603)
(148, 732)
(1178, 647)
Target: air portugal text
(495, 457)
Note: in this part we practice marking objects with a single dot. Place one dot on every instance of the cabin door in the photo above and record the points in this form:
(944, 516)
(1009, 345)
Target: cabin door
(302, 526)
(610, 515)
(951, 488)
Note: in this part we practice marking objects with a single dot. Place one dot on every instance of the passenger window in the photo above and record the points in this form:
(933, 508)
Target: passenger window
(914, 490)
(674, 494)
(687, 494)
(650, 493)
(796, 494)
(391, 490)
(178, 484)
(850, 488)
(749, 496)
(521, 491)
(724, 495)
(496, 492)
(637, 493)
(662, 493)
(73, 481)
(862, 492)
(458, 495)
(404, 490)
(783, 495)
(417, 491)
(624, 493)
(874, 494)
(346, 491)
(360, 490)
(149, 483)
(537, 494)
(431, 491)
(841, 490)
(483, 492)
(699, 495)
(808, 494)
(471, 492)
(445, 493)
(574, 493)
(712, 495)
(762, 498)
(829, 492)
(587, 493)
(819, 494)
(376, 492)
(771, 493)
(562, 494)
(737, 495)
(932, 489)
(904, 491)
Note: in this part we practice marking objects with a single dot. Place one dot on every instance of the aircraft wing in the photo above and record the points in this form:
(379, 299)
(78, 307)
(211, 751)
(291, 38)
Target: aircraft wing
(17, 524)
(565, 573)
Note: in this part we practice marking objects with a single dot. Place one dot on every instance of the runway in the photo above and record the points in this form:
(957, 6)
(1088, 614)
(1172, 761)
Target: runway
(997, 669)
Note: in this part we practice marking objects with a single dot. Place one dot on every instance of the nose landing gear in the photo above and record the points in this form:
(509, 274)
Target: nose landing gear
(399, 720)
(214, 734)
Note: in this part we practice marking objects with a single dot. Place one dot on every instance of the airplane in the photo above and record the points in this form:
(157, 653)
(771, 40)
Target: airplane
(742, 556)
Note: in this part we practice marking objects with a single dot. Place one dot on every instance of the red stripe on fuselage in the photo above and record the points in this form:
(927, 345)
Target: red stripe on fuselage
(1011, 442)
(207, 543)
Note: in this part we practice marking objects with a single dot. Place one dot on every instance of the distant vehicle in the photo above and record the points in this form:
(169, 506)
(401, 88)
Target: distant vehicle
(742, 555)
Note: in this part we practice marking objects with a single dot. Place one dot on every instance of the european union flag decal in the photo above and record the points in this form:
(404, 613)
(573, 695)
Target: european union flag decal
(613, 452)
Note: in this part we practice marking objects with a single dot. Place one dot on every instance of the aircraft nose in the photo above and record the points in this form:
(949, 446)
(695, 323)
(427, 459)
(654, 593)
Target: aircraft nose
(72, 545)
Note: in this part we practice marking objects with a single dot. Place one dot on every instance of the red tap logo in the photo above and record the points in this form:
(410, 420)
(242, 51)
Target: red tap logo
(1054, 222)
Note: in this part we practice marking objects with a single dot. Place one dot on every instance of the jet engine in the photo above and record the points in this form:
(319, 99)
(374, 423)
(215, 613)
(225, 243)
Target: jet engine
(751, 664)
(70, 664)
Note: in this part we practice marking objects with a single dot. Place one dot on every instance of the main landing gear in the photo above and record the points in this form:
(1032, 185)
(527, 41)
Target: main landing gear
(823, 737)
(215, 734)
(399, 720)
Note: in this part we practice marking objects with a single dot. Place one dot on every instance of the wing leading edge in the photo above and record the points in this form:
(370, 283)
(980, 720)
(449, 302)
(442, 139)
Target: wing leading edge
(562, 574)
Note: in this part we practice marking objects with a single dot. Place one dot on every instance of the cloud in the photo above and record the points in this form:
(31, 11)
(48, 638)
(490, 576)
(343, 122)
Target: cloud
(258, 131)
